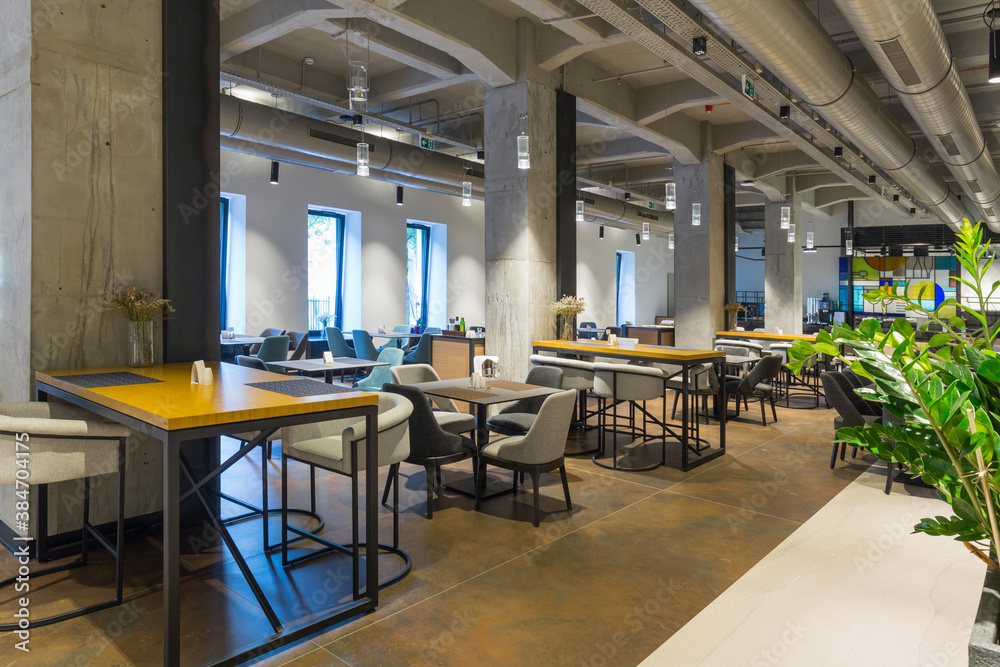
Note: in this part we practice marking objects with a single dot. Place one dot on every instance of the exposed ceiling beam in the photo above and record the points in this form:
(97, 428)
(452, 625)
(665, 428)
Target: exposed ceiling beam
(615, 104)
(830, 196)
(477, 36)
(619, 150)
(403, 83)
(662, 100)
(405, 50)
(558, 49)
(807, 182)
(734, 136)
(769, 96)
(270, 19)
(587, 30)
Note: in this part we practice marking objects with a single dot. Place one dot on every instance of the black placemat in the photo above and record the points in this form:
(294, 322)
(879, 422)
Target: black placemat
(97, 380)
(300, 388)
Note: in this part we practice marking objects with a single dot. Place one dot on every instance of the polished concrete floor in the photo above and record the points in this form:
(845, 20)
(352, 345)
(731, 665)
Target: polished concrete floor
(639, 556)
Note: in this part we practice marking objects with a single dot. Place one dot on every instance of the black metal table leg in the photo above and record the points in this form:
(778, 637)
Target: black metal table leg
(171, 551)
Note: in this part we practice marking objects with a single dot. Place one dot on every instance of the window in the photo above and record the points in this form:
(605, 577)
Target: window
(326, 269)
(625, 282)
(418, 239)
(224, 262)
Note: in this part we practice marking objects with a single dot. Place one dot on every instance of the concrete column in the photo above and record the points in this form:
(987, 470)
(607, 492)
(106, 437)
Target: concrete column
(520, 206)
(80, 205)
(783, 268)
(699, 253)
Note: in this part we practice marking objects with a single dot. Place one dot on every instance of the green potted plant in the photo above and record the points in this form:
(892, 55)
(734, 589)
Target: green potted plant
(945, 393)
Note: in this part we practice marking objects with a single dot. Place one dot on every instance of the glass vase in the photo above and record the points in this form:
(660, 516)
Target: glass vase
(140, 343)
(567, 329)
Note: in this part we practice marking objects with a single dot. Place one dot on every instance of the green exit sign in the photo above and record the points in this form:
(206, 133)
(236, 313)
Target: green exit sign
(649, 204)
(427, 142)
(748, 88)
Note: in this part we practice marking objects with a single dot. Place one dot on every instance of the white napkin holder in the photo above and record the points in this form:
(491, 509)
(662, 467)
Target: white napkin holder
(201, 374)
(477, 381)
(612, 340)
(328, 357)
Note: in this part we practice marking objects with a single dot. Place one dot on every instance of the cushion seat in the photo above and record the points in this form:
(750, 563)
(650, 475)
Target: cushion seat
(320, 451)
(455, 422)
(512, 421)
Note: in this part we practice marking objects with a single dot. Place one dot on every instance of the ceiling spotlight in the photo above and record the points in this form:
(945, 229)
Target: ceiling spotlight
(638, 239)
(628, 196)
(399, 195)
(838, 151)
(871, 179)
(274, 172)
(600, 233)
(480, 154)
(994, 63)
(699, 45)
(746, 183)
(913, 211)
(784, 111)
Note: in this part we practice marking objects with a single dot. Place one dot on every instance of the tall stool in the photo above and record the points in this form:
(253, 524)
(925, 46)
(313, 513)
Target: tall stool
(46, 443)
(578, 376)
(625, 383)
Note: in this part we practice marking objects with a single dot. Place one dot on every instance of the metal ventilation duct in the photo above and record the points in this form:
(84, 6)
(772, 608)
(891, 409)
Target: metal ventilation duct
(906, 40)
(289, 134)
(788, 40)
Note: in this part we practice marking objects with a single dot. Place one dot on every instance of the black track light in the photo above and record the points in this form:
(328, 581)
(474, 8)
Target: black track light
(699, 45)
(993, 61)
(838, 151)
(274, 172)
(600, 233)
(871, 180)
(480, 154)
(895, 198)
(784, 111)
(638, 239)
(399, 195)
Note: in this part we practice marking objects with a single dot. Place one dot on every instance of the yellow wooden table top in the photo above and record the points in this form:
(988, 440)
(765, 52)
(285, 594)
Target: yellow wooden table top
(176, 404)
(764, 335)
(630, 350)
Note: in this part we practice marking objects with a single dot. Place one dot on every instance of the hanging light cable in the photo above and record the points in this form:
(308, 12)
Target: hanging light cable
(358, 45)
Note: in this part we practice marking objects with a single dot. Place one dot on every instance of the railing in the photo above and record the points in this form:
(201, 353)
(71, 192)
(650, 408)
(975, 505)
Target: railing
(319, 307)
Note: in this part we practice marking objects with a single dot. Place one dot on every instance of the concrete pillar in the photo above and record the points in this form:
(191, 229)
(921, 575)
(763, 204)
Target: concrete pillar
(699, 253)
(783, 268)
(520, 206)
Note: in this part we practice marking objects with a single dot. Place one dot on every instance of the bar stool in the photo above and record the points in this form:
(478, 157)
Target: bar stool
(579, 376)
(46, 443)
(627, 383)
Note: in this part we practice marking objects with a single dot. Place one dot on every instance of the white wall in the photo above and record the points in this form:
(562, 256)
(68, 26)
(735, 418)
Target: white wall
(820, 270)
(276, 249)
(595, 274)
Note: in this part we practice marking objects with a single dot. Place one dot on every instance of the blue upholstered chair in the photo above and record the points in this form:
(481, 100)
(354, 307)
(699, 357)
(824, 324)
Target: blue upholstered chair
(363, 346)
(381, 374)
(421, 352)
(338, 346)
(274, 348)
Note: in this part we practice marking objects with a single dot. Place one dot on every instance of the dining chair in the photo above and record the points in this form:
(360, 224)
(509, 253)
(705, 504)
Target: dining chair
(299, 342)
(266, 333)
(334, 446)
(402, 344)
(852, 411)
(381, 374)
(66, 443)
(537, 451)
(447, 414)
(430, 445)
(615, 384)
(339, 347)
(274, 348)
(257, 364)
(363, 346)
(432, 330)
(757, 383)
(517, 417)
(421, 352)
(577, 375)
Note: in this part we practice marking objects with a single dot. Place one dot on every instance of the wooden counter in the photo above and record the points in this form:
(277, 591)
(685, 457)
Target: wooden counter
(600, 348)
(451, 356)
(650, 335)
(764, 335)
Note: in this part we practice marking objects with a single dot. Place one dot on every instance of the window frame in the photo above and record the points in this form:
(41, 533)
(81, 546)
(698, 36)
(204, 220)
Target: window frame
(341, 229)
(425, 270)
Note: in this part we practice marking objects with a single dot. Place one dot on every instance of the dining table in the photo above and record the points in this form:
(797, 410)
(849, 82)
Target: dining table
(684, 358)
(162, 401)
(497, 391)
(315, 367)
